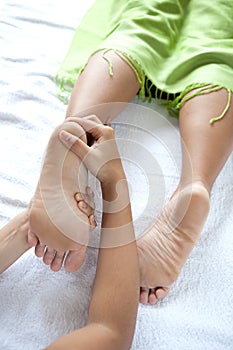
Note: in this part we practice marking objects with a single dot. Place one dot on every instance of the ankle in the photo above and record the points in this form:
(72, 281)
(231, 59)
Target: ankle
(191, 206)
(194, 185)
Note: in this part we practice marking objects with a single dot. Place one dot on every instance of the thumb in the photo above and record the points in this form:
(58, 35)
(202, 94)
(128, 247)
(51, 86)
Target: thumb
(75, 144)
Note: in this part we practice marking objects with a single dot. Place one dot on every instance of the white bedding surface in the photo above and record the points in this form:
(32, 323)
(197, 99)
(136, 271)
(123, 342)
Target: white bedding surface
(37, 305)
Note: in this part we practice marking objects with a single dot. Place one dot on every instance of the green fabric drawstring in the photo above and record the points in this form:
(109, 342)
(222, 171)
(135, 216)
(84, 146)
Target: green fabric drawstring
(179, 101)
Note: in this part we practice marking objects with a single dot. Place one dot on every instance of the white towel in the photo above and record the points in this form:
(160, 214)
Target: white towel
(37, 305)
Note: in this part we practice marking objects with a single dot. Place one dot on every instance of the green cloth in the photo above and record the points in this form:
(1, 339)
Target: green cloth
(174, 43)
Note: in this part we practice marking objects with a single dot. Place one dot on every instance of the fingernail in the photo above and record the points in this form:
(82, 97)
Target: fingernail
(67, 138)
(78, 197)
(65, 135)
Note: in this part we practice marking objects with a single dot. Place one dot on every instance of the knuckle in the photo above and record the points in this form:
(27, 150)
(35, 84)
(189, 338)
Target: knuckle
(108, 130)
(94, 118)
(73, 128)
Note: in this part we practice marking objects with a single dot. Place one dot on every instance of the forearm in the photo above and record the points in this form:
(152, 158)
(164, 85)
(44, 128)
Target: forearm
(92, 337)
(114, 303)
(113, 308)
(13, 240)
(115, 296)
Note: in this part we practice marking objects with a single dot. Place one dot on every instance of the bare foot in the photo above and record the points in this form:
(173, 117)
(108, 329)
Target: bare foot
(74, 258)
(54, 219)
(164, 247)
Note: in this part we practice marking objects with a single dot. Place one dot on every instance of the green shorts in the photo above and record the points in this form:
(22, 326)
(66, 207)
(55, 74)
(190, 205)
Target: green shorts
(178, 45)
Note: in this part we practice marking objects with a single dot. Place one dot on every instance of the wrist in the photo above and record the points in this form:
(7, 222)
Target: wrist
(115, 195)
(109, 186)
(13, 240)
(23, 225)
(20, 225)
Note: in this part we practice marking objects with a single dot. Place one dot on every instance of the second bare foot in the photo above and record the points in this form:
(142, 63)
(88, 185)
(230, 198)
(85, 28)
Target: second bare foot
(165, 246)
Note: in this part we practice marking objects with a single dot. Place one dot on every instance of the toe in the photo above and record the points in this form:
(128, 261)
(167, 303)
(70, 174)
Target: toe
(32, 239)
(79, 197)
(49, 255)
(85, 208)
(161, 292)
(39, 249)
(144, 295)
(152, 299)
(57, 261)
(75, 259)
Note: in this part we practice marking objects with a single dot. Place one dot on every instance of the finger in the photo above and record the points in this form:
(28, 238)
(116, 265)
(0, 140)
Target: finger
(75, 144)
(92, 117)
(90, 138)
(86, 208)
(95, 128)
(79, 197)
(92, 221)
(88, 199)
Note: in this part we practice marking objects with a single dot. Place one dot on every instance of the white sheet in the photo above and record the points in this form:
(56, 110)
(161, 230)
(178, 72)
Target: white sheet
(37, 305)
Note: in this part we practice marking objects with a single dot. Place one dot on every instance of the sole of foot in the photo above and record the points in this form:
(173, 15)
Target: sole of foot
(165, 246)
(54, 217)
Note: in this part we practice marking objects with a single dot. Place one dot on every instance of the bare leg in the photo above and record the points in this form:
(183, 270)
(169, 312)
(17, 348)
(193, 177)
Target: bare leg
(162, 255)
(94, 87)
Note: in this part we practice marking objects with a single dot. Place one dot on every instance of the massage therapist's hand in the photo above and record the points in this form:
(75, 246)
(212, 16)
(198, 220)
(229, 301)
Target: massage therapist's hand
(102, 158)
